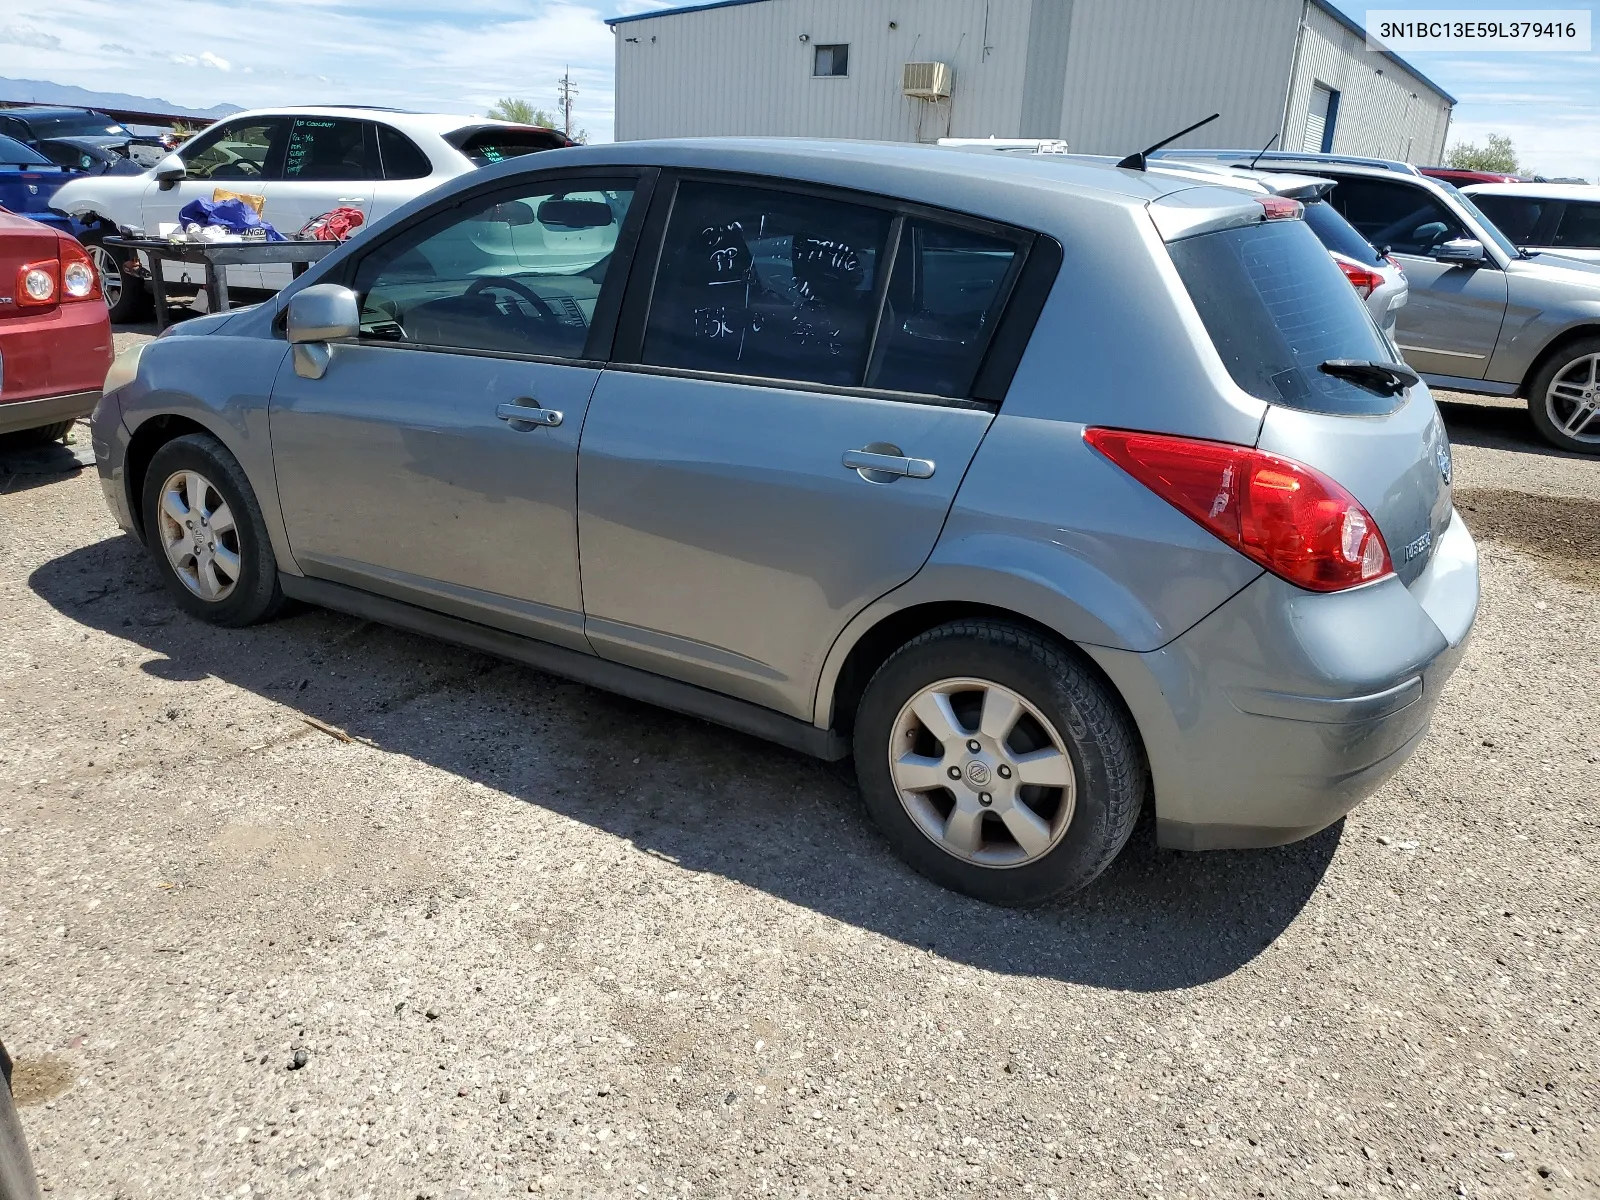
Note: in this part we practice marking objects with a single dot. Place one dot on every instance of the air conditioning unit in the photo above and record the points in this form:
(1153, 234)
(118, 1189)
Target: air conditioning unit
(927, 80)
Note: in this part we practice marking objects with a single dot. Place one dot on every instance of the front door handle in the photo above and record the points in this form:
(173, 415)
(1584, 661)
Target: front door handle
(877, 466)
(523, 413)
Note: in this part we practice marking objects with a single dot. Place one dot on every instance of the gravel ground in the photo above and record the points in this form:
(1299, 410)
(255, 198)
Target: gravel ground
(518, 936)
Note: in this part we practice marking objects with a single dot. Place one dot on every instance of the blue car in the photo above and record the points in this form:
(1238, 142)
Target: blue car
(28, 180)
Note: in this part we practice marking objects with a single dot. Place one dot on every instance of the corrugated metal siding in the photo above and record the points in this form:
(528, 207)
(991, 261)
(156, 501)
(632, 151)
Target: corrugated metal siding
(744, 70)
(1139, 69)
(1384, 110)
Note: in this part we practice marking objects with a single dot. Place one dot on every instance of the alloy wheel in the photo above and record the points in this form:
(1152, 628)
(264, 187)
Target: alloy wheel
(199, 536)
(110, 273)
(982, 772)
(1572, 400)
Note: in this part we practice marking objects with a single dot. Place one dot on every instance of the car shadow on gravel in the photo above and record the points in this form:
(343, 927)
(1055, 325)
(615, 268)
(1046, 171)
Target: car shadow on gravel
(1496, 425)
(26, 464)
(706, 798)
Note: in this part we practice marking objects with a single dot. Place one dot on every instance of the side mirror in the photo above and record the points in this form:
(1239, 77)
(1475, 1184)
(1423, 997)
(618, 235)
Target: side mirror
(1459, 250)
(170, 169)
(322, 313)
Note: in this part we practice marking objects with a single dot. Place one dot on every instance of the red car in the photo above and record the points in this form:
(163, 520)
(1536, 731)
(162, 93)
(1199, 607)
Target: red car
(1461, 177)
(55, 332)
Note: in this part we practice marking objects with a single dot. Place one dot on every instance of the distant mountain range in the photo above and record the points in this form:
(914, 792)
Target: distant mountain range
(39, 91)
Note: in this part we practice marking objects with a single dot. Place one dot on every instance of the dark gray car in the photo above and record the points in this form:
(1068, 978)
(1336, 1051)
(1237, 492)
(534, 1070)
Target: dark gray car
(1043, 490)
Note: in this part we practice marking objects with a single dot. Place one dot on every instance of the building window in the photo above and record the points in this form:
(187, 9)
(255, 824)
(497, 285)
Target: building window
(831, 61)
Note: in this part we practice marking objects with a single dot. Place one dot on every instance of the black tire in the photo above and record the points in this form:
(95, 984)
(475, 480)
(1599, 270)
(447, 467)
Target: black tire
(1109, 771)
(17, 1180)
(45, 433)
(1538, 403)
(255, 594)
(133, 300)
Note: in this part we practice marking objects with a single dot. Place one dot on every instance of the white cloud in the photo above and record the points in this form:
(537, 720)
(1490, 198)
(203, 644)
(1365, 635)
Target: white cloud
(27, 35)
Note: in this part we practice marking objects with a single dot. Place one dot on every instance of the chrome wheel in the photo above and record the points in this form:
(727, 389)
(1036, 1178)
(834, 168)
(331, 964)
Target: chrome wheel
(198, 533)
(1572, 401)
(105, 263)
(982, 773)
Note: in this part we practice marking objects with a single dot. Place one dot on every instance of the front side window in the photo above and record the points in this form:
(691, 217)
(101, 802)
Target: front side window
(1580, 227)
(1516, 216)
(1407, 220)
(510, 274)
(831, 61)
(767, 283)
(323, 148)
(237, 151)
(945, 294)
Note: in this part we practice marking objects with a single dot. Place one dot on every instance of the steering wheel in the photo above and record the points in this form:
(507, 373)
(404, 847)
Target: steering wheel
(541, 309)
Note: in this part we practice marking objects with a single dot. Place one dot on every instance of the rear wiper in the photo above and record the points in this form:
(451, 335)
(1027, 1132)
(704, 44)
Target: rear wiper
(1386, 379)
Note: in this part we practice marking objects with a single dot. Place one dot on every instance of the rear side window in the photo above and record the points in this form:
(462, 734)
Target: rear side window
(945, 295)
(767, 283)
(1337, 234)
(320, 148)
(401, 158)
(1516, 216)
(1276, 308)
(1405, 219)
(1580, 227)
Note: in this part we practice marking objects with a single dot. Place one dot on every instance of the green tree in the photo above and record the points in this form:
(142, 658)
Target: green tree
(521, 112)
(1496, 154)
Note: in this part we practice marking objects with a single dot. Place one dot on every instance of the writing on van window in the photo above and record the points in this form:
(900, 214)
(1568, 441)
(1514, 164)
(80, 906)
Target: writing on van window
(765, 283)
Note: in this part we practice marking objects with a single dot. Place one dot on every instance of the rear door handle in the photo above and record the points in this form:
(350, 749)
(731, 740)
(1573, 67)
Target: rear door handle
(870, 463)
(525, 413)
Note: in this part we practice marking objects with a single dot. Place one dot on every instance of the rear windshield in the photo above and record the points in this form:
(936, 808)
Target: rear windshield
(1337, 234)
(1276, 308)
(492, 144)
(14, 153)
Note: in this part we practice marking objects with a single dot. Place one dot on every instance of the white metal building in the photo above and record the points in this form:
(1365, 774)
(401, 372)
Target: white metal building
(1105, 76)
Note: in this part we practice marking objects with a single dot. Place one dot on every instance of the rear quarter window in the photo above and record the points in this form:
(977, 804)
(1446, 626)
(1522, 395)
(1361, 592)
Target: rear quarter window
(1276, 308)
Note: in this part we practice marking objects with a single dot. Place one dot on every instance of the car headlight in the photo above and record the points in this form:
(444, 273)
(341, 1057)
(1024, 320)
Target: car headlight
(125, 368)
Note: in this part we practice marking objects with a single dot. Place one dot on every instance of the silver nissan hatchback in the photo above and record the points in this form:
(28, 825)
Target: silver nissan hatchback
(1045, 491)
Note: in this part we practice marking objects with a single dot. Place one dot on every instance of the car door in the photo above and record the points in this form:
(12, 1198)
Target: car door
(1453, 316)
(434, 461)
(405, 172)
(784, 439)
(236, 156)
(328, 163)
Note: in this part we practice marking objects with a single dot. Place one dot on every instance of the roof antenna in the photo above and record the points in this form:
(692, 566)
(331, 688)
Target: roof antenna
(1135, 162)
(1262, 151)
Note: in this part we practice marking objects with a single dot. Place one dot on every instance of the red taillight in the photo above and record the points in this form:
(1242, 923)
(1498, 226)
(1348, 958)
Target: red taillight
(1281, 208)
(79, 279)
(1293, 520)
(38, 284)
(1362, 278)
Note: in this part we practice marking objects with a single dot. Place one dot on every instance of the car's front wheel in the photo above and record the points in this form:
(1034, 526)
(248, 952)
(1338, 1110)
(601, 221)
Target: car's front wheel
(206, 533)
(998, 764)
(1564, 399)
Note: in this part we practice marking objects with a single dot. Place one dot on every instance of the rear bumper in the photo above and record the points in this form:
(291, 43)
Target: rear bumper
(33, 414)
(1283, 710)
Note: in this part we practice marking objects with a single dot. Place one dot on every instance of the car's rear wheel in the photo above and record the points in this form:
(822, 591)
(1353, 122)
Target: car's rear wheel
(206, 533)
(1564, 400)
(17, 1180)
(127, 299)
(997, 764)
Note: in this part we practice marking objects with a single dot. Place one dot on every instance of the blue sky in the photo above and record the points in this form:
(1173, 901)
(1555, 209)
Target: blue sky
(460, 55)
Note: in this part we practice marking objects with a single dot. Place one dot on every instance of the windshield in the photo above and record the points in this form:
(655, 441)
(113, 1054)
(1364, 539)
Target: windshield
(1337, 234)
(1489, 226)
(95, 125)
(1277, 308)
(14, 153)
